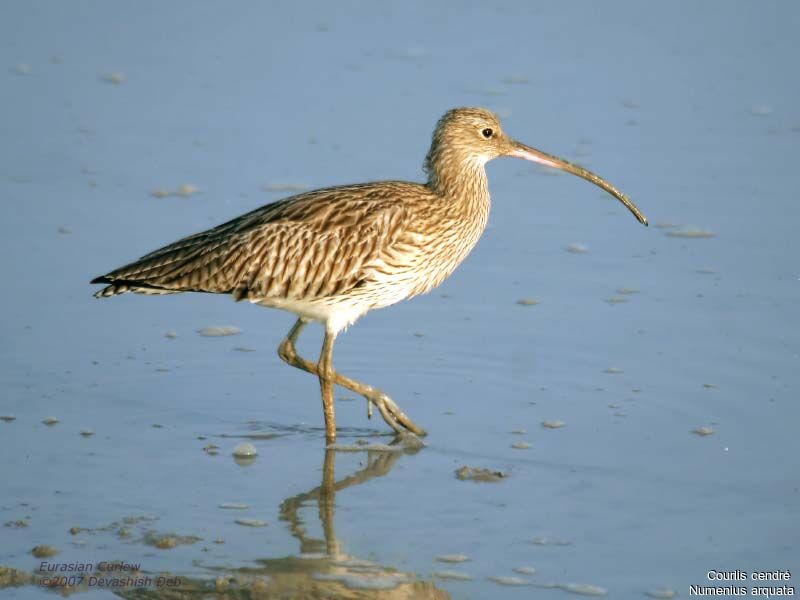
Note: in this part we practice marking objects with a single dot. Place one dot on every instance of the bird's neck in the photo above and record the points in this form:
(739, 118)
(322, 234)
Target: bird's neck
(465, 185)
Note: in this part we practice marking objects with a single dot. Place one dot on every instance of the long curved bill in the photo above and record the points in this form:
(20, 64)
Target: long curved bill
(522, 151)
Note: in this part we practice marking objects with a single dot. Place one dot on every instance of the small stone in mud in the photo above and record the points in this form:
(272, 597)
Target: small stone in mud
(480, 475)
(87, 432)
(18, 524)
(613, 371)
(703, 431)
(553, 424)
(43, 551)
(75, 530)
(169, 541)
(124, 532)
(577, 249)
(114, 77)
(211, 449)
(452, 558)
(616, 300)
(165, 542)
(251, 522)
(50, 421)
(627, 291)
(157, 426)
(160, 193)
(709, 386)
(221, 583)
(171, 335)
(245, 450)
(219, 541)
(664, 593)
(527, 302)
(186, 189)
(234, 506)
(519, 431)
(243, 349)
(219, 331)
(524, 570)
(521, 446)
(452, 575)
(510, 581)
(8, 418)
(691, 233)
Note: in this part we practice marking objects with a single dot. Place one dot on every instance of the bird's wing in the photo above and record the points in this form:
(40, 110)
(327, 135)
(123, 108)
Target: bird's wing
(309, 246)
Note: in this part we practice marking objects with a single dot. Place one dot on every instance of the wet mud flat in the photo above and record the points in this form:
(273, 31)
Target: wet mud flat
(611, 409)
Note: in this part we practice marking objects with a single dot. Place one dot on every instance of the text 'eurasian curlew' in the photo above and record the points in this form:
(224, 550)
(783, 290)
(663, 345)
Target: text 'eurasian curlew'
(332, 255)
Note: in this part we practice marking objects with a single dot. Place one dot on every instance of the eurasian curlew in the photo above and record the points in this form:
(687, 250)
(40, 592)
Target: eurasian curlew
(332, 255)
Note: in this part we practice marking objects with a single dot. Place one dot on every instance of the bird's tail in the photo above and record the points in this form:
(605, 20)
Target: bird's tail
(123, 287)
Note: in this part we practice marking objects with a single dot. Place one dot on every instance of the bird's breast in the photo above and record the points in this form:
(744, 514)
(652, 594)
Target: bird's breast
(429, 251)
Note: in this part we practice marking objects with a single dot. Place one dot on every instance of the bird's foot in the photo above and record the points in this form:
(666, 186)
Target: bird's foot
(391, 413)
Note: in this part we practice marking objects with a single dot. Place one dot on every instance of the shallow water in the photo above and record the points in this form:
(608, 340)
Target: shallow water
(687, 107)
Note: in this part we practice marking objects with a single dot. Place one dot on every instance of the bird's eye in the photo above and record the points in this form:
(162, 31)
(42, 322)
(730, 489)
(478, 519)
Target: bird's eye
(487, 133)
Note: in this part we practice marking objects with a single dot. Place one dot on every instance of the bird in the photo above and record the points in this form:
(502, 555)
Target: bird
(331, 255)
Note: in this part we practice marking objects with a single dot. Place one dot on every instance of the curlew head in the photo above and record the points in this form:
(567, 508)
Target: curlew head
(466, 139)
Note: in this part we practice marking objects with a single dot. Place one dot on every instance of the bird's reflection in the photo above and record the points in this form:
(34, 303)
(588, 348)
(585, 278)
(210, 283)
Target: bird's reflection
(379, 463)
(321, 569)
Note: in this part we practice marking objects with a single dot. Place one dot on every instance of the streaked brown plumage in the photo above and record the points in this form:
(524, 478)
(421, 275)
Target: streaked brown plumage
(333, 254)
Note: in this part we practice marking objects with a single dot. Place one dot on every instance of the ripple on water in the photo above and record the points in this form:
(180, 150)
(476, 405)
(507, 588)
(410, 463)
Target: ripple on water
(509, 580)
(251, 522)
(453, 575)
(691, 233)
(582, 589)
(452, 558)
(662, 593)
(577, 249)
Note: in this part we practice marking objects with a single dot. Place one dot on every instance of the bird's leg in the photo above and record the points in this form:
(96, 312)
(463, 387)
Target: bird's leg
(391, 413)
(325, 372)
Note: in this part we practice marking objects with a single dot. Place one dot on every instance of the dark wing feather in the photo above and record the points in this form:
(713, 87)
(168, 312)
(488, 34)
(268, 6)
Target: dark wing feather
(309, 246)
